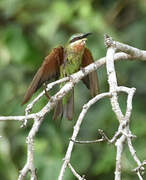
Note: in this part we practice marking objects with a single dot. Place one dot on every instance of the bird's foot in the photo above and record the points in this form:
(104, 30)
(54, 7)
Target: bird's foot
(46, 92)
(83, 70)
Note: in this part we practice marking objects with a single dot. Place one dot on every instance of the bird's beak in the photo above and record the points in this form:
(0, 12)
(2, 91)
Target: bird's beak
(85, 35)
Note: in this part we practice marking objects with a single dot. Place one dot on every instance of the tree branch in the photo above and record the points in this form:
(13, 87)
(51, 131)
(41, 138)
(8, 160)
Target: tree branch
(124, 120)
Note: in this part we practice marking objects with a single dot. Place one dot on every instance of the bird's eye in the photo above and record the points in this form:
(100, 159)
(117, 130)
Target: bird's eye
(75, 39)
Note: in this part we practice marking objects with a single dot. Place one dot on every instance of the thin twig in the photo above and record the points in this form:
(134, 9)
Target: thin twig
(75, 173)
(88, 142)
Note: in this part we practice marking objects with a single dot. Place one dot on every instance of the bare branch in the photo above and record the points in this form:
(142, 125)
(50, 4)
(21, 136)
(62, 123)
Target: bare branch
(89, 142)
(75, 173)
(103, 138)
(29, 166)
(16, 118)
(112, 80)
(132, 51)
(124, 120)
(76, 131)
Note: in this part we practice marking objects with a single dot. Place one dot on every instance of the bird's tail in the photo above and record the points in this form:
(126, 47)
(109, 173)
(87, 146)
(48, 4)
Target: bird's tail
(58, 110)
(65, 110)
(68, 109)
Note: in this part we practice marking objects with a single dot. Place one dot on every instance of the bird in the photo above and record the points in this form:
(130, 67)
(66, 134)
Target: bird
(61, 62)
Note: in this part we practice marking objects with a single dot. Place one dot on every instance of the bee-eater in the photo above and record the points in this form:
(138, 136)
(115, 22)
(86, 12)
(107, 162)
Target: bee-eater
(62, 62)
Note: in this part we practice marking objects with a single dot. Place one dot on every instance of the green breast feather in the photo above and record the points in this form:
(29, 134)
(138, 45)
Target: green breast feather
(71, 65)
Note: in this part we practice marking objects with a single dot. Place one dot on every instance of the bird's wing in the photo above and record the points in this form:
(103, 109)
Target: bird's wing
(48, 70)
(91, 80)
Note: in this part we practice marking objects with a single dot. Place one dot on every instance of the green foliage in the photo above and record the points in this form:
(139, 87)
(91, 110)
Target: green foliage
(28, 31)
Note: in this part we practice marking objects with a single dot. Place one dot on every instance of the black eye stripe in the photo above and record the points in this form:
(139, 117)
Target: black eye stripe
(75, 39)
(80, 37)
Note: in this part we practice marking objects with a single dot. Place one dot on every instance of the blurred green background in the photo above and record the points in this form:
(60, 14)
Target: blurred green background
(29, 29)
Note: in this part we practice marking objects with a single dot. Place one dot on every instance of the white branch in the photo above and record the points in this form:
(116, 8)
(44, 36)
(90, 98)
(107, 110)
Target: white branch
(75, 173)
(112, 80)
(30, 151)
(124, 120)
(76, 131)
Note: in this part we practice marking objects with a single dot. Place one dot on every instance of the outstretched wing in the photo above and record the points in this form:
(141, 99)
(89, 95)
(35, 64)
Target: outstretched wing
(91, 80)
(48, 70)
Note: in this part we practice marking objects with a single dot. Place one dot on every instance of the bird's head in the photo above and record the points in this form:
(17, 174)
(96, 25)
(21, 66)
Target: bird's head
(77, 41)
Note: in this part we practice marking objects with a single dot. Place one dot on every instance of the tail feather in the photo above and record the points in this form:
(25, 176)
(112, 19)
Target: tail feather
(58, 112)
(68, 110)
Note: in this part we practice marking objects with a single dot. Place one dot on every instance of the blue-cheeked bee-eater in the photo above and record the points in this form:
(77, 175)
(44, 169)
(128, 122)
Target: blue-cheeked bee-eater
(62, 62)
